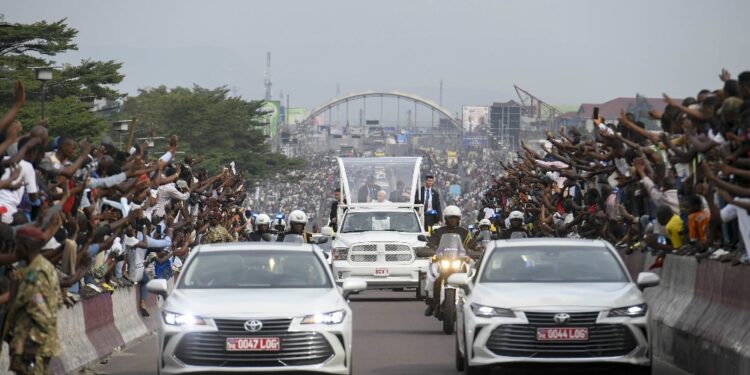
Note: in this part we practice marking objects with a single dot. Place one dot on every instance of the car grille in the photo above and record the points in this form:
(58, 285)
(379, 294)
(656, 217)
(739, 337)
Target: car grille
(396, 247)
(364, 248)
(297, 348)
(364, 258)
(605, 340)
(398, 257)
(548, 319)
(391, 253)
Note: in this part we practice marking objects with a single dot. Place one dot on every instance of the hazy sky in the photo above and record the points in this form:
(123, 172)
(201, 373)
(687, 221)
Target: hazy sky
(563, 51)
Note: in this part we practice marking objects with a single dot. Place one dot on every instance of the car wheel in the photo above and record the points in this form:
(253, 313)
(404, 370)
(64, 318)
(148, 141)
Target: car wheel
(459, 357)
(419, 288)
(638, 370)
(449, 311)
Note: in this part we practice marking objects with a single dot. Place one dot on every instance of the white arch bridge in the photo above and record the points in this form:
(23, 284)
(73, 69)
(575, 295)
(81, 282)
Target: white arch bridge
(385, 117)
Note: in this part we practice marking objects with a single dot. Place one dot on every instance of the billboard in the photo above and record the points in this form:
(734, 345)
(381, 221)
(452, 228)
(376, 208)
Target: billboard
(272, 110)
(296, 115)
(475, 116)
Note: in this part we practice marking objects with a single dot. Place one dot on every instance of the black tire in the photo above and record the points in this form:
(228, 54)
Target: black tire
(449, 311)
(459, 357)
(638, 370)
(419, 288)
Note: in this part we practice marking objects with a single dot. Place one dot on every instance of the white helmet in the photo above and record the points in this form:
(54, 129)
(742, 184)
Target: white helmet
(485, 222)
(297, 217)
(262, 219)
(451, 211)
(279, 223)
(516, 215)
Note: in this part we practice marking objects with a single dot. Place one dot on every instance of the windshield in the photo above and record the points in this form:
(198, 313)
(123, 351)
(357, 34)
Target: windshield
(552, 264)
(381, 221)
(255, 269)
(450, 246)
(384, 180)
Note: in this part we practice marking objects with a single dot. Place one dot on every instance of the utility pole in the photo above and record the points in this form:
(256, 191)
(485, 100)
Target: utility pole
(441, 93)
(267, 81)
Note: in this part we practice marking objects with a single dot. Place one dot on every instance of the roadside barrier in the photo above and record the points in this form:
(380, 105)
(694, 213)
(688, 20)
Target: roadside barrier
(700, 314)
(95, 328)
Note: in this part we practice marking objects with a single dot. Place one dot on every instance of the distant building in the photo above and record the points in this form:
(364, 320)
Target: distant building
(610, 111)
(505, 124)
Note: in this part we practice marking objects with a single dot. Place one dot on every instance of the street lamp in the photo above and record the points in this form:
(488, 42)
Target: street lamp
(43, 74)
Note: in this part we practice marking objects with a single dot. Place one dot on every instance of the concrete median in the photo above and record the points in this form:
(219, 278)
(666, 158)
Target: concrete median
(700, 314)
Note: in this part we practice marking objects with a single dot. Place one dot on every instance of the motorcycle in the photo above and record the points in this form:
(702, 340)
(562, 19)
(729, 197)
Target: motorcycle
(450, 258)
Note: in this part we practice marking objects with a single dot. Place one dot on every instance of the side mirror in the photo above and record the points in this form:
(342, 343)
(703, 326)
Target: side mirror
(647, 280)
(424, 252)
(353, 286)
(422, 238)
(459, 280)
(319, 240)
(158, 287)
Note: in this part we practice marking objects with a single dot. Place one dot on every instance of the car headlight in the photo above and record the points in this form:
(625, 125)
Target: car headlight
(629, 311)
(175, 319)
(491, 312)
(340, 253)
(334, 317)
(457, 264)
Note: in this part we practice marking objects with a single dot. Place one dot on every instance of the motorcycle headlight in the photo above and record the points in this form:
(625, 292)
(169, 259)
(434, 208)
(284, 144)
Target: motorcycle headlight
(445, 264)
(629, 311)
(175, 319)
(334, 317)
(491, 312)
(340, 253)
(457, 264)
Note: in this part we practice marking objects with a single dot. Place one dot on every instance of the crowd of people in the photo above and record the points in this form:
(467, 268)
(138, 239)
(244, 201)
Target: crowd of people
(80, 219)
(681, 189)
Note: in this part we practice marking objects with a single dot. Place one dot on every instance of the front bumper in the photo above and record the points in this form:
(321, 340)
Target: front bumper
(482, 347)
(399, 275)
(335, 339)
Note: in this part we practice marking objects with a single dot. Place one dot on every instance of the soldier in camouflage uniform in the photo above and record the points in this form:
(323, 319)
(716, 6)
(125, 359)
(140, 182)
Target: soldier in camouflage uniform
(32, 320)
(216, 232)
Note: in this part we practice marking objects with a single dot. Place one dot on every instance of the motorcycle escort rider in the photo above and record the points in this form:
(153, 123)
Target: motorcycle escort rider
(516, 228)
(452, 217)
(297, 223)
(263, 228)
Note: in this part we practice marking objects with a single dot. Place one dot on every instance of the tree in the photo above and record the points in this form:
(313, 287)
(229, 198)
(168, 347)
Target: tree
(212, 123)
(24, 46)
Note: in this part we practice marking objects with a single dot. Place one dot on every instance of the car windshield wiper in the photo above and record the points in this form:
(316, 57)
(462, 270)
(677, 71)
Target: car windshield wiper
(356, 231)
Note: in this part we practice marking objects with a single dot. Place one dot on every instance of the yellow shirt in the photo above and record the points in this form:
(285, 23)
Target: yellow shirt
(673, 229)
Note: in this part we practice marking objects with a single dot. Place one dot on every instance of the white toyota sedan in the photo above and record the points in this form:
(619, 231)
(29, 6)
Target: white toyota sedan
(255, 307)
(552, 302)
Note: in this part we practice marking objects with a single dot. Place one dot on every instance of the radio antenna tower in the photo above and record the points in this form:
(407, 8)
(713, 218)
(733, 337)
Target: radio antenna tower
(267, 80)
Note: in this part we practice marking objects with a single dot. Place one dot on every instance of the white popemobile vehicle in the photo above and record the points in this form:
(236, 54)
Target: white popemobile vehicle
(559, 302)
(378, 240)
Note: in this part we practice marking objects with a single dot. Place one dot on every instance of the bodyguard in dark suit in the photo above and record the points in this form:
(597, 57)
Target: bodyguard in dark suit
(430, 198)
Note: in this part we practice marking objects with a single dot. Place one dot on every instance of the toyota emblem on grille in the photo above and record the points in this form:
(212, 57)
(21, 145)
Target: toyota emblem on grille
(253, 325)
(561, 318)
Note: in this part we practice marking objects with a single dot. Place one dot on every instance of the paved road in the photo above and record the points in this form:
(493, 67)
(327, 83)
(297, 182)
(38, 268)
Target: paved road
(390, 337)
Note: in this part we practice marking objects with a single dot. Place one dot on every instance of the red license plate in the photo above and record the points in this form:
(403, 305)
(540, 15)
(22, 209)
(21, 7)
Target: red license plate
(382, 272)
(562, 334)
(253, 344)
